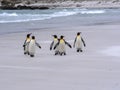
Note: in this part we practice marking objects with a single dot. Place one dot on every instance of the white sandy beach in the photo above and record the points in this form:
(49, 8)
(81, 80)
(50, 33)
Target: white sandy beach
(97, 68)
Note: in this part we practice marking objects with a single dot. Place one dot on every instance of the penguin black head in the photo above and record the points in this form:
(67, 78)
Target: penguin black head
(55, 36)
(61, 37)
(28, 35)
(33, 37)
(78, 33)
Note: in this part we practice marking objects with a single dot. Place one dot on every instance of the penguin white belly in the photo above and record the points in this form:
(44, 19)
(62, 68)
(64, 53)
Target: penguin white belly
(27, 46)
(57, 49)
(62, 47)
(78, 43)
(32, 47)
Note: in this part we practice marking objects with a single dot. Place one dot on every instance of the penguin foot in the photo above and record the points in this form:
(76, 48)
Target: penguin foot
(78, 50)
(60, 54)
(31, 55)
(81, 50)
(28, 53)
(64, 53)
(56, 53)
(25, 53)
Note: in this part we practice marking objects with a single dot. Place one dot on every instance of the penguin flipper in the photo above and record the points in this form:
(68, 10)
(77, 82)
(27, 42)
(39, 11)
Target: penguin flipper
(24, 44)
(38, 44)
(51, 45)
(68, 44)
(56, 46)
(24, 47)
(74, 42)
(83, 42)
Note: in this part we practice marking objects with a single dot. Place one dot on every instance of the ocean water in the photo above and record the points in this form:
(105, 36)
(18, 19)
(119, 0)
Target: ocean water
(73, 16)
(10, 16)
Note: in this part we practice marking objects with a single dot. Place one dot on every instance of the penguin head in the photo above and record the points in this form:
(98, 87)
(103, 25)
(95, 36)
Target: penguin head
(78, 33)
(33, 37)
(61, 37)
(55, 36)
(28, 35)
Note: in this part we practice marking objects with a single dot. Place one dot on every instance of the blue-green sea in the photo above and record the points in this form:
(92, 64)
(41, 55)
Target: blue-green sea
(26, 20)
(10, 16)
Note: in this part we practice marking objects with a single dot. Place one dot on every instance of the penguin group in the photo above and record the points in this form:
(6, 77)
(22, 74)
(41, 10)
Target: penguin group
(58, 44)
(61, 45)
(29, 45)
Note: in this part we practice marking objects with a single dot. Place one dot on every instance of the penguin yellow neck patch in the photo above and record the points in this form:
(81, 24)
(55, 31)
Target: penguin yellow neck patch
(78, 36)
(28, 39)
(55, 39)
(61, 41)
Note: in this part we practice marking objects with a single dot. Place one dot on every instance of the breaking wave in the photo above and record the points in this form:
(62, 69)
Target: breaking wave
(31, 15)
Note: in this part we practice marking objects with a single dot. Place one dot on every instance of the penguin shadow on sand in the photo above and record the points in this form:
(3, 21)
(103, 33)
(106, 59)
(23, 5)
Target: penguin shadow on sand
(30, 45)
(60, 46)
(79, 42)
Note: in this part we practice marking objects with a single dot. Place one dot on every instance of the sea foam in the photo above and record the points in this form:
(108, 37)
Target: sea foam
(8, 14)
(23, 16)
(93, 12)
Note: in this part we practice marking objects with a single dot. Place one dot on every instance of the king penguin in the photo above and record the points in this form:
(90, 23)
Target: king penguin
(61, 44)
(26, 44)
(54, 42)
(32, 45)
(78, 42)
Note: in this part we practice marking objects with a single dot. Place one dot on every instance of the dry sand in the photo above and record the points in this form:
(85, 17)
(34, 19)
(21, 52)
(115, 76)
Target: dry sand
(97, 68)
